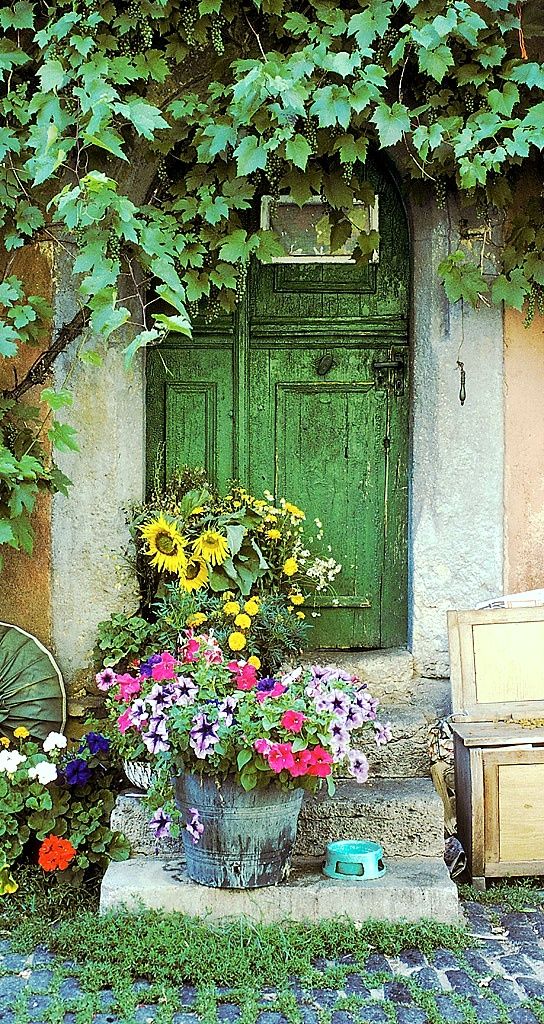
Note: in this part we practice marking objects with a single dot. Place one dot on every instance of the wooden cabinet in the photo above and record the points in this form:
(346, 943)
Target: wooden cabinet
(497, 663)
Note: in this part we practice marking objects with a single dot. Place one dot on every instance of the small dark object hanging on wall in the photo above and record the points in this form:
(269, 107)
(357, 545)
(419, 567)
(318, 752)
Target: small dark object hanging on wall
(462, 389)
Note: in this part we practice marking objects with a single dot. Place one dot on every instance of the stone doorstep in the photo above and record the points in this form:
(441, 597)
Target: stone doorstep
(412, 889)
(389, 672)
(405, 756)
(405, 816)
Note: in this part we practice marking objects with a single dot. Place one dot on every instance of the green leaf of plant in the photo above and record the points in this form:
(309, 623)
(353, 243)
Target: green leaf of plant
(391, 122)
(140, 341)
(250, 156)
(244, 756)
(57, 399)
(510, 289)
(298, 150)
(63, 437)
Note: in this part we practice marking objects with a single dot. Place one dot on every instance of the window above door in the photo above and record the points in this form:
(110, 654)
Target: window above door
(305, 232)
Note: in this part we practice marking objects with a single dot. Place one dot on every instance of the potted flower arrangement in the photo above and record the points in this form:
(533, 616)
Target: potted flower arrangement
(234, 751)
(243, 567)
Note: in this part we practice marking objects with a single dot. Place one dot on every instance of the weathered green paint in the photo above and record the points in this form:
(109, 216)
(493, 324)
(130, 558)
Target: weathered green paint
(286, 397)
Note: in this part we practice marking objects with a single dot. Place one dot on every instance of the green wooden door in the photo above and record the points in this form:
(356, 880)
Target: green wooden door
(288, 397)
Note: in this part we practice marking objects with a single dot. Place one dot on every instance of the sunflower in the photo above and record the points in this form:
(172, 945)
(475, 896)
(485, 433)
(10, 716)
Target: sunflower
(194, 575)
(212, 547)
(164, 545)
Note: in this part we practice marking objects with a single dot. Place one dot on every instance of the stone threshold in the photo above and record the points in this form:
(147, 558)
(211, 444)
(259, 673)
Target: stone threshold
(412, 889)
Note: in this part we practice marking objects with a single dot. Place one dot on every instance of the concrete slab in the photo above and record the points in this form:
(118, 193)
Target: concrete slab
(386, 672)
(412, 889)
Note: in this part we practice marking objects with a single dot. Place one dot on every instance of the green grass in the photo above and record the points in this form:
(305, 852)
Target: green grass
(41, 901)
(518, 894)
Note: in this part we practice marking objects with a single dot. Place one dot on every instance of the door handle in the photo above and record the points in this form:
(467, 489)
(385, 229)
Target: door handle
(389, 373)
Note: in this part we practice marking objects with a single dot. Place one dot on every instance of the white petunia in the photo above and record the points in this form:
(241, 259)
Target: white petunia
(54, 741)
(10, 761)
(44, 772)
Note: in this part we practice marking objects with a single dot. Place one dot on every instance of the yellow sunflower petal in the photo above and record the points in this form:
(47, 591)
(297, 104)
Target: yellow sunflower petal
(212, 547)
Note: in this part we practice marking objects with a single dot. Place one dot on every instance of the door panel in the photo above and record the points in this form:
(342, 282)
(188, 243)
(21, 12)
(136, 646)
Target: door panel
(286, 397)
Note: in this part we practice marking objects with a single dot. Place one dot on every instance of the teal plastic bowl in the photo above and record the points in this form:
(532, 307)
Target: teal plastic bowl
(354, 858)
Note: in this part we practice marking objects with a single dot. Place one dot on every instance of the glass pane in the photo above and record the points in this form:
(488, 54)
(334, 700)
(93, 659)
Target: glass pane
(305, 232)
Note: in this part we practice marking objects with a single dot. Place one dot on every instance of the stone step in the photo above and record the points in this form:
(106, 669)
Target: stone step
(412, 889)
(404, 815)
(387, 672)
(405, 756)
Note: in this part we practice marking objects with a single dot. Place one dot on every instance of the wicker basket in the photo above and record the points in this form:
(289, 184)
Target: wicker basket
(139, 773)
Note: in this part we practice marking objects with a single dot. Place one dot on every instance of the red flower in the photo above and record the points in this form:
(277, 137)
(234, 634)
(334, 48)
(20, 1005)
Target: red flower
(55, 853)
(293, 720)
(245, 675)
(320, 763)
(280, 756)
(302, 760)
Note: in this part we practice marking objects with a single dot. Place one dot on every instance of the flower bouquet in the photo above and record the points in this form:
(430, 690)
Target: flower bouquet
(244, 567)
(205, 715)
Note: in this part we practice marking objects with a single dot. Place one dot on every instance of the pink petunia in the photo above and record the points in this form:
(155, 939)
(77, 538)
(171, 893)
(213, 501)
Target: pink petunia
(293, 720)
(280, 756)
(262, 746)
(191, 648)
(165, 668)
(128, 687)
(302, 760)
(125, 722)
(320, 763)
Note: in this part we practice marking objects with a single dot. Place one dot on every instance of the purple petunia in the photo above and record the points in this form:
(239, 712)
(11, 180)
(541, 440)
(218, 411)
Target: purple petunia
(146, 668)
(96, 742)
(77, 772)
(138, 712)
(156, 738)
(105, 679)
(266, 684)
(160, 823)
(339, 738)
(194, 827)
(382, 733)
(186, 690)
(226, 709)
(358, 765)
(203, 735)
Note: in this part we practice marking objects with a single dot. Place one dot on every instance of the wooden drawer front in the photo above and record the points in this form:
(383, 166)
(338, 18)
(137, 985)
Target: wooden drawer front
(514, 806)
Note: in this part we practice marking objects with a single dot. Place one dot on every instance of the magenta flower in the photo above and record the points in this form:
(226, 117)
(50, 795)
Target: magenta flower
(190, 649)
(302, 760)
(293, 721)
(262, 746)
(358, 765)
(165, 669)
(128, 687)
(125, 722)
(279, 757)
(203, 736)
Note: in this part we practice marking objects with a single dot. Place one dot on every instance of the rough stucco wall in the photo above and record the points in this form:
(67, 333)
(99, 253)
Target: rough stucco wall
(25, 584)
(524, 453)
(89, 581)
(456, 514)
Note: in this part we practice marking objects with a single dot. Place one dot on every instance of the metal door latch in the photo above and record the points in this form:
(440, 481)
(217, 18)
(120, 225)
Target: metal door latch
(389, 373)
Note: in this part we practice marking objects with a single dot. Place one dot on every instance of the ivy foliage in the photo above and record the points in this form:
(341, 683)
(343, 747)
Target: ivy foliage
(138, 139)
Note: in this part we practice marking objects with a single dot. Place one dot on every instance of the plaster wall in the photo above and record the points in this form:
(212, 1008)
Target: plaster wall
(89, 580)
(456, 508)
(456, 501)
(25, 582)
(524, 453)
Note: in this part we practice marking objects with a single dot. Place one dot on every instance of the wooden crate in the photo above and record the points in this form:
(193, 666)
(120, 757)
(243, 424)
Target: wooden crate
(497, 663)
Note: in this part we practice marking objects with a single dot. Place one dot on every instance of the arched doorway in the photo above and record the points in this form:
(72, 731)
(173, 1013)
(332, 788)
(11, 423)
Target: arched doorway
(305, 392)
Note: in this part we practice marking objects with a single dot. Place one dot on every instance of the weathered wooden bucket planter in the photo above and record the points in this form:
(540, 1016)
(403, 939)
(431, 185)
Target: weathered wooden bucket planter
(248, 838)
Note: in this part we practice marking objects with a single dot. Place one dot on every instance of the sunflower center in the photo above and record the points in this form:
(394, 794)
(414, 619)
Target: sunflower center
(192, 570)
(165, 544)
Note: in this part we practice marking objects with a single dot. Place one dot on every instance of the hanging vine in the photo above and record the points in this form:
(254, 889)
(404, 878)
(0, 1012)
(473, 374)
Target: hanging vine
(146, 133)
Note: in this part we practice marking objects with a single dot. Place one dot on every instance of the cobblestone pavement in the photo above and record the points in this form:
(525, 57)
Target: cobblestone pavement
(500, 980)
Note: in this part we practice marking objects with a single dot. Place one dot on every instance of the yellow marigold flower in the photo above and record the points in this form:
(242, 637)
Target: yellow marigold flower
(198, 510)
(290, 567)
(4, 742)
(270, 519)
(197, 619)
(300, 615)
(273, 534)
(243, 621)
(21, 733)
(293, 510)
(228, 595)
(251, 606)
(296, 598)
(255, 661)
(231, 608)
(164, 545)
(212, 547)
(237, 641)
